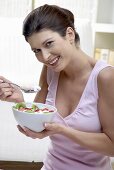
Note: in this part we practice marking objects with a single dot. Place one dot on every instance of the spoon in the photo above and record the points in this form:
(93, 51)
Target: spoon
(27, 90)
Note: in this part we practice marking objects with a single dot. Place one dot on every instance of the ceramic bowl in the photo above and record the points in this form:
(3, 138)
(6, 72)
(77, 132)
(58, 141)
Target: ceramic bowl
(34, 120)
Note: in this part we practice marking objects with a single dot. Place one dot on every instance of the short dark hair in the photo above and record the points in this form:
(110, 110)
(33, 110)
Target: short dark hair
(49, 17)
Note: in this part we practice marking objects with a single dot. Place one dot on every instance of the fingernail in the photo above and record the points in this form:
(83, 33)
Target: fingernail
(46, 124)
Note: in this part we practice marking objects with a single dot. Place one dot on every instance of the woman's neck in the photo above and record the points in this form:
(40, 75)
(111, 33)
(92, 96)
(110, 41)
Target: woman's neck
(79, 65)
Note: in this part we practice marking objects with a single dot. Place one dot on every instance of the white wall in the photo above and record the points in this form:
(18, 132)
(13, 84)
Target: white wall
(17, 61)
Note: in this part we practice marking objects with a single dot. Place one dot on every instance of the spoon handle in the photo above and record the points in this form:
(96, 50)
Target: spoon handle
(27, 90)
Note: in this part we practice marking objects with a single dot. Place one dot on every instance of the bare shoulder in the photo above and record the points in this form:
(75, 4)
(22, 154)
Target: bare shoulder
(106, 85)
(106, 75)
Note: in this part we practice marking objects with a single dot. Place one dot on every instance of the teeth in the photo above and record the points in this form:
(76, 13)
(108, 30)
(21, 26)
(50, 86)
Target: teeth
(54, 61)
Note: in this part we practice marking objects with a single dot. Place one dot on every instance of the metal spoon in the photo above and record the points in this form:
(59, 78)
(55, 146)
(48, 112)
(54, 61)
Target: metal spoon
(26, 90)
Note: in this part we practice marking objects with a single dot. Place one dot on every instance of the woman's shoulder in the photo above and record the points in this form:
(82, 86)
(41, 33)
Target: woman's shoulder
(106, 74)
(106, 80)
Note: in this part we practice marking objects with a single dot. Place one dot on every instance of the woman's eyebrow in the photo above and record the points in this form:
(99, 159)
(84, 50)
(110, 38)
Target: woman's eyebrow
(42, 43)
(33, 49)
(47, 40)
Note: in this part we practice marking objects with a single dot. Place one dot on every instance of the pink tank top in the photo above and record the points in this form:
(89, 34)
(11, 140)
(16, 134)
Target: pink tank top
(63, 153)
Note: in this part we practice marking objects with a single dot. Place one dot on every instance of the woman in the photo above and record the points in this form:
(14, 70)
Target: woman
(82, 132)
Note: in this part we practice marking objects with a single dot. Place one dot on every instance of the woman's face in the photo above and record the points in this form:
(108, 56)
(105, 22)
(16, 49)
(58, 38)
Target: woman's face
(51, 49)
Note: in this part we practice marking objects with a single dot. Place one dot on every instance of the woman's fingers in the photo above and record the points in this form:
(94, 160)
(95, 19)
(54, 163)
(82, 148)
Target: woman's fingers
(5, 92)
(21, 130)
(3, 79)
(4, 85)
(9, 92)
(32, 134)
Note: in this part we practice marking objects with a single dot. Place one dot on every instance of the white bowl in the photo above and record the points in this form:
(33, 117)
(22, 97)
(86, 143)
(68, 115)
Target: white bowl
(34, 121)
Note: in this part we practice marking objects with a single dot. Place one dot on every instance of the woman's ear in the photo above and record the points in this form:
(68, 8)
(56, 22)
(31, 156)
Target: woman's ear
(70, 35)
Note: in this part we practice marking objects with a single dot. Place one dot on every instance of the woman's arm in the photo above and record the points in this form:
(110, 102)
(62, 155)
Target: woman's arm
(41, 95)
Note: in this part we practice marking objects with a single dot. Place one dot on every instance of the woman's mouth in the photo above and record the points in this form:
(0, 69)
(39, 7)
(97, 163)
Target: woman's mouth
(54, 61)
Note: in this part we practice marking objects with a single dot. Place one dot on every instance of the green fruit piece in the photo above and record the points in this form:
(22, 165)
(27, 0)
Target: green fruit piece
(34, 107)
(20, 105)
(29, 111)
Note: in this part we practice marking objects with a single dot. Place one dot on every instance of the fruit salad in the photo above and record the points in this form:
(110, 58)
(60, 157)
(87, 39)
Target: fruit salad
(33, 109)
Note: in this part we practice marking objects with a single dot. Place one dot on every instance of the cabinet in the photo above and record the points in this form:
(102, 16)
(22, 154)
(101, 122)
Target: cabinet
(103, 30)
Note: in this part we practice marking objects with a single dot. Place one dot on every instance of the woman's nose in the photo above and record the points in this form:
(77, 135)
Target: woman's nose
(45, 54)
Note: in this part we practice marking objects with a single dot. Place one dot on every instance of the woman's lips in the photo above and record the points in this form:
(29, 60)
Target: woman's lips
(54, 61)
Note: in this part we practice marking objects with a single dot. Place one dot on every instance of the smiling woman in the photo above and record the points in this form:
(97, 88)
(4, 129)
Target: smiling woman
(76, 85)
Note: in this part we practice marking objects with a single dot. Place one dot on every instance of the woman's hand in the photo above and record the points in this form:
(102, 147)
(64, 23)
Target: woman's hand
(50, 129)
(9, 92)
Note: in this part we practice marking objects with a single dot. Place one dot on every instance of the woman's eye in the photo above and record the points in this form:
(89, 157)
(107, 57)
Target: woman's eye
(48, 44)
(36, 51)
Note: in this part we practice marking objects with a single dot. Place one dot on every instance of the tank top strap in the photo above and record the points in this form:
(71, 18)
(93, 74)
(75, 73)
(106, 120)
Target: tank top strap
(93, 84)
(100, 65)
